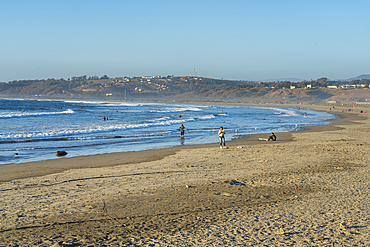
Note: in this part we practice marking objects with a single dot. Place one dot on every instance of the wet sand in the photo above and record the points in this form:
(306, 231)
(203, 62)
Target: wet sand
(308, 188)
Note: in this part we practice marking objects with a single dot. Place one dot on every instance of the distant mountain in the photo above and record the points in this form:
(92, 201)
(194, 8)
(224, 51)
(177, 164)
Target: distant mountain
(360, 77)
(284, 79)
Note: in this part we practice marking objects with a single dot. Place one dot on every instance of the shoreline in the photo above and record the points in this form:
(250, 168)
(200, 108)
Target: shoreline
(309, 188)
(12, 171)
(18, 154)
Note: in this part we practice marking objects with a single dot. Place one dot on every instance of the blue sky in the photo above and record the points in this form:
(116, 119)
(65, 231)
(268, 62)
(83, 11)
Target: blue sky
(244, 40)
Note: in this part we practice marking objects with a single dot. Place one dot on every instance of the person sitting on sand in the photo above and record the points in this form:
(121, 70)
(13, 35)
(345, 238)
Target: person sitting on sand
(272, 137)
(182, 130)
(221, 135)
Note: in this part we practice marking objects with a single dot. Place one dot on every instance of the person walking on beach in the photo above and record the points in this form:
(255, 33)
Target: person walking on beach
(182, 130)
(221, 135)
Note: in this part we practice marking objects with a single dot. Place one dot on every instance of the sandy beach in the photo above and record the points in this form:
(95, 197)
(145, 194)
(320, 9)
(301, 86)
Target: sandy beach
(309, 188)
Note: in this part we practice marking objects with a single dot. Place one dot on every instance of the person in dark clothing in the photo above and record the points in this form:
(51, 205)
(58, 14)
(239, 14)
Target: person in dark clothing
(182, 130)
(272, 137)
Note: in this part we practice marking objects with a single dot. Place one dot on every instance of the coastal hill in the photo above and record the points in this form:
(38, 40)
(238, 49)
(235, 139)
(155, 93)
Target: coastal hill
(192, 88)
(360, 77)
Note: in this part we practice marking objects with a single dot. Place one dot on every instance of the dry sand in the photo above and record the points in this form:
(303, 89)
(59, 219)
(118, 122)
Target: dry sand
(308, 188)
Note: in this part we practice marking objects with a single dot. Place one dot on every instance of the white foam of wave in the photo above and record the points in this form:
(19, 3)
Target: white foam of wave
(206, 106)
(285, 112)
(106, 103)
(175, 109)
(14, 99)
(33, 114)
(206, 117)
(162, 107)
(124, 104)
(94, 102)
(159, 119)
(86, 130)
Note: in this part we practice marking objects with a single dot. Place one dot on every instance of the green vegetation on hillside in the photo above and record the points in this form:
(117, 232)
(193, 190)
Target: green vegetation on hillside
(189, 88)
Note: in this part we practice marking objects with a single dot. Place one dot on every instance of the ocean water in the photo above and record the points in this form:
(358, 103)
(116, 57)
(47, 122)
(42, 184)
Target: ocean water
(33, 130)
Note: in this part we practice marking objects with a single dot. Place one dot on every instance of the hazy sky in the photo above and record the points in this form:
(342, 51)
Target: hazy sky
(246, 40)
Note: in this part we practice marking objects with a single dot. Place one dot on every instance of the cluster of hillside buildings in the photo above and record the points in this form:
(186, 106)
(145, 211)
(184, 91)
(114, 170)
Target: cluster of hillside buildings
(143, 79)
(348, 86)
(336, 87)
